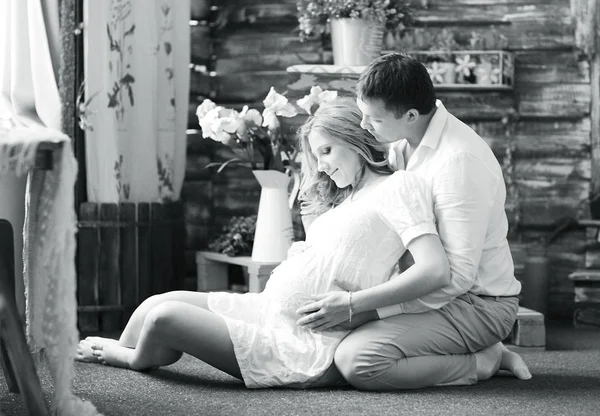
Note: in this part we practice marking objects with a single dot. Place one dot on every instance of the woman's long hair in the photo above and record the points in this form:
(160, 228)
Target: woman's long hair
(340, 119)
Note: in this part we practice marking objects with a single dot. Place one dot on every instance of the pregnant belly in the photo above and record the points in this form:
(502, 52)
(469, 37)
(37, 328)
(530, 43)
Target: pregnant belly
(291, 285)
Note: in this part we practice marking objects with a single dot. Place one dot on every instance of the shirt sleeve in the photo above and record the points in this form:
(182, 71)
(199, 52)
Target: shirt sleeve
(407, 208)
(464, 193)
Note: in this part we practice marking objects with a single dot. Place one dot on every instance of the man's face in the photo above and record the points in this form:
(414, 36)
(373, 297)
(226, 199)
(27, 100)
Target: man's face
(381, 123)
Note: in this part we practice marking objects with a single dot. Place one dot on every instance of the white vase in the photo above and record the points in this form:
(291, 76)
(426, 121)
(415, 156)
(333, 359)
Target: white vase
(355, 42)
(274, 231)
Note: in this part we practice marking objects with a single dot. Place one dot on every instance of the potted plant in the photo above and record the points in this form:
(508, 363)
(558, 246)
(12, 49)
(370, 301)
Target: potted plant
(249, 132)
(435, 50)
(483, 61)
(237, 237)
(494, 66)
(357, 27)
(442, 68)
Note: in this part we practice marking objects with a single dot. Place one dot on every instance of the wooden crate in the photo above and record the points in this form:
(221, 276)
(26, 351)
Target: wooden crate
(125, 253)
(529, 331)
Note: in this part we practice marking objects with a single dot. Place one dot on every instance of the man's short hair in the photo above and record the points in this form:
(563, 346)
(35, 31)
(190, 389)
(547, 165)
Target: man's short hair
(400, 81)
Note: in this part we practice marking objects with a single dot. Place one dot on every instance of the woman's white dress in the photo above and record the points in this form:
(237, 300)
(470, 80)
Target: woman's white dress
(351, 247)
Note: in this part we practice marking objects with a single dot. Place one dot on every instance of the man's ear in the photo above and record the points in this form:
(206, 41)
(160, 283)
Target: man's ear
(412, 115)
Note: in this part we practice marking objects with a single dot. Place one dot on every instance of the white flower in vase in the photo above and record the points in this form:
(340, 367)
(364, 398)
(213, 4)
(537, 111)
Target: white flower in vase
(276, 105)
(315, 97)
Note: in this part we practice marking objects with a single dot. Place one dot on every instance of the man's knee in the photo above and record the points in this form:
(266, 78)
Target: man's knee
(359, 365)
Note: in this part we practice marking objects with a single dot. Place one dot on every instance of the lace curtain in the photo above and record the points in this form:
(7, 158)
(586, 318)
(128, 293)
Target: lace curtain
(137, 55)
(30, 114)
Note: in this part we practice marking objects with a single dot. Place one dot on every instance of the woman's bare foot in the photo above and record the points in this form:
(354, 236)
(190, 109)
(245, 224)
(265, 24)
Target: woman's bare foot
(511, 361)
(85, 353)
(488, 361)
(101, 340)
(112, 354)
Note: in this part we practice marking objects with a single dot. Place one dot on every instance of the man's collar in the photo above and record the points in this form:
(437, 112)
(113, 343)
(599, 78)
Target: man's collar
(395, 155)
(431, 138)
(432, 135)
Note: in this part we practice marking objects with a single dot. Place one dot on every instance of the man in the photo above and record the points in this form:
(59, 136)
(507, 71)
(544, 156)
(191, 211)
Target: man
(410, 345)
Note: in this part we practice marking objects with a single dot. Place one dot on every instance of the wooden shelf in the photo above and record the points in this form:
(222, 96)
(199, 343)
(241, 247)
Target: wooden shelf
(585, 275)
(472, 87)
(589, 223)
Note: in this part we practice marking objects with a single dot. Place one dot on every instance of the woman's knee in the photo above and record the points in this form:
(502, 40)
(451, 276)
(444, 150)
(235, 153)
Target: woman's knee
(160, 316)
(152, 301)
(199, 299)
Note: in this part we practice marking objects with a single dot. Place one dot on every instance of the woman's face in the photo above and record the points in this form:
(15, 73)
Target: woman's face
(338, 161)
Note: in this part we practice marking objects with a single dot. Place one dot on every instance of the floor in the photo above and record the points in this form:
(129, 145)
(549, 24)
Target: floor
(566, 381)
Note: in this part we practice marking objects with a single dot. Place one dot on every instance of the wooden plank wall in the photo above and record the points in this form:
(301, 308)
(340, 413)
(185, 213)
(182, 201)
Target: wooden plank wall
(540, 131)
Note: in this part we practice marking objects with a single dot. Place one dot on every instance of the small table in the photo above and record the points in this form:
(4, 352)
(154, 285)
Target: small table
(213, 276)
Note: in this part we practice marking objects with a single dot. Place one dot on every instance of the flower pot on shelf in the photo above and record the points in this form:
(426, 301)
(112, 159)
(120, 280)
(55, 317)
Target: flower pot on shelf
(274, 230)
(355, 42)
(484, 73)
(442, 72)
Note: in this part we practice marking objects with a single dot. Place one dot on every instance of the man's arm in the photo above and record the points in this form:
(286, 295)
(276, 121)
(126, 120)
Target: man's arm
(358, 319)
(464, 192)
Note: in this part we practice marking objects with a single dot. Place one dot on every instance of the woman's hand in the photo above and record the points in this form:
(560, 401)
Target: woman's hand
(329, 309)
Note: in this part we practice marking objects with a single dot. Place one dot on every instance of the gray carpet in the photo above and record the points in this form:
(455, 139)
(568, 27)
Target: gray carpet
(566, 381)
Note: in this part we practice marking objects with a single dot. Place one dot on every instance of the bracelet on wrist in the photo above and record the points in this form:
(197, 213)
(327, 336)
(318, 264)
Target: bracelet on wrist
(350, 310)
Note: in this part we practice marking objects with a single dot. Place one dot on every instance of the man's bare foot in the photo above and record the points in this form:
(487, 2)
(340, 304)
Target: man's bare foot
(511, 361)
(112, 354)
(488, 361)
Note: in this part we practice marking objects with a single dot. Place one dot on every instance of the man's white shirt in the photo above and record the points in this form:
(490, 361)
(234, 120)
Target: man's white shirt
(469, 196)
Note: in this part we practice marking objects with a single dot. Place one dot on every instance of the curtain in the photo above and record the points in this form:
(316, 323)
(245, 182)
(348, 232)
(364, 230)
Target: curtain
(29, 62)
(137, 55)
(30, 115)
(29, 90)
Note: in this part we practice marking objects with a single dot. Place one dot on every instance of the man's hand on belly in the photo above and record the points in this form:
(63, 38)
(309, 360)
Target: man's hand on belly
(327, 310)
